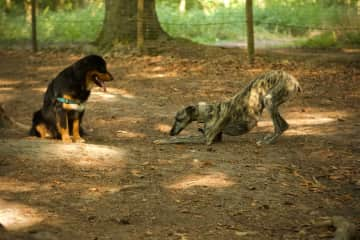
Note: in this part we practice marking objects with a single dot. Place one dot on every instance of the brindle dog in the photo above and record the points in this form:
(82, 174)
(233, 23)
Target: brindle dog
(241, 113)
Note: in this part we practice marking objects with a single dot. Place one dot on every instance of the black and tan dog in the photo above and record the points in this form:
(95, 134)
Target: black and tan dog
(241, 113)
(64, 100)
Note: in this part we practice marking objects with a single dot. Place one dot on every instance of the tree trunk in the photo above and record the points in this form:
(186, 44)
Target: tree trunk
(182, 6)
(250, 30)
(8, 6)
(120, 23)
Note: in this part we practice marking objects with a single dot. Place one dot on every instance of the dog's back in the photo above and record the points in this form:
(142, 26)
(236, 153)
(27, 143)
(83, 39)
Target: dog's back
(252, 96)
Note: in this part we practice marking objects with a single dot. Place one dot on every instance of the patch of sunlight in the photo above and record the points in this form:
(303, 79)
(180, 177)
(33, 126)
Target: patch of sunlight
(351, 50)
(40, 89)
(89, 155)
(15, 185)
(9, 82)
(48, 68)
(306, 131)
(98, 95)
(163, 128)
(301, 122)
(3, 89)
(111, 95)
(122, 92)
(15, 216)
(127, 134)
(94, 193)
(151, 75)
(56, 153)
(214, 180)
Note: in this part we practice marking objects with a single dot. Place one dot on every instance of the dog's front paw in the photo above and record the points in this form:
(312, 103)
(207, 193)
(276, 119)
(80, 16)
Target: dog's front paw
(79, 140)
(66, 139)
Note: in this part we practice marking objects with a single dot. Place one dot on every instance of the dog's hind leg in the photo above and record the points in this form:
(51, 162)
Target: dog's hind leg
(272, 102)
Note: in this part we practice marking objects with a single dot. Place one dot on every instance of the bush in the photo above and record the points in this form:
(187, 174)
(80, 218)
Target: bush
(323, 40)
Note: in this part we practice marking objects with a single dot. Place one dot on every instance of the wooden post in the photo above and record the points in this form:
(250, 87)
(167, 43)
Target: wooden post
(140, 24)
(250, 30)
(33, 26)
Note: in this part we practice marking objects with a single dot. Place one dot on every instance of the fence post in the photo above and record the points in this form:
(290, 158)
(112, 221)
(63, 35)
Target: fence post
(33, 26)
(250, 30)
(140, 24)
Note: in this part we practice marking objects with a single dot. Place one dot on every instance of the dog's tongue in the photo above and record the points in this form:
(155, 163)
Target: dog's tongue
(103, 85)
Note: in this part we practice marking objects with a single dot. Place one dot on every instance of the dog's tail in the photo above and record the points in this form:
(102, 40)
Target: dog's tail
(37, 116)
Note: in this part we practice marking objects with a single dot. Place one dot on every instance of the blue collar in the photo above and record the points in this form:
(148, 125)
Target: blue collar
(67, 101)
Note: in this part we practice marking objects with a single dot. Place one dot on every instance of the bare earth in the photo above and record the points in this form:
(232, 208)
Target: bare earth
(119, 185)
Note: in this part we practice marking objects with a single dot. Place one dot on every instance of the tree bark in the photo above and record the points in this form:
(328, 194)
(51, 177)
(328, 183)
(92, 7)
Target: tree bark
(8, 5)
(250, 31)
(121, 23)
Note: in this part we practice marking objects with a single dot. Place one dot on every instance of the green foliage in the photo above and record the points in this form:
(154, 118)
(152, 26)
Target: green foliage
(81, 25)
(323, 40)
(351, 39)
(332, 40)
(13, 28)
(202, 26)
(273, 19)
(204, 21)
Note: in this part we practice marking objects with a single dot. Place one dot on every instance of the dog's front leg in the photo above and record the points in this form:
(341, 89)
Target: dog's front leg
(62, 125)
(215, 125)
(76, 131)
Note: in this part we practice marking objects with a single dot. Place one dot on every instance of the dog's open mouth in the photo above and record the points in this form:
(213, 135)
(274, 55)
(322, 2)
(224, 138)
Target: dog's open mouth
(99, 82)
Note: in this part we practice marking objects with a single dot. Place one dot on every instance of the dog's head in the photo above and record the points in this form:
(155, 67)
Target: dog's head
(183, 118)
(93, 69)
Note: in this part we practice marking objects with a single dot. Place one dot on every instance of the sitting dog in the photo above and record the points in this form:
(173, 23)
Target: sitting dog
(64, 100)
(241, 113)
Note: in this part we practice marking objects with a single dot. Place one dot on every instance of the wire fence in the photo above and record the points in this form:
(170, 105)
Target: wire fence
(229, 28)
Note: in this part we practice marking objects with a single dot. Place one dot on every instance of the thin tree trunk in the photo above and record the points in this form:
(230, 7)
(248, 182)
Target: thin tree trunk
(250, 31)
(33, 26)
(140, 24)
(182, 6)
(8, 5)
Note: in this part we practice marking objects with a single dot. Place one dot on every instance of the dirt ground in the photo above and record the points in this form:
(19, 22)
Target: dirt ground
(119, 185)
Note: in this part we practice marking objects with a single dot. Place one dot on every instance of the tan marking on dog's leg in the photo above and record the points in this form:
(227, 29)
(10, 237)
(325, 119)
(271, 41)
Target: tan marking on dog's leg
(42, 130)
(64, 132)
(76, 131)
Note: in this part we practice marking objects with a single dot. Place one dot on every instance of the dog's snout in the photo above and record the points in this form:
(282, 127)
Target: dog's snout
(110, 76)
